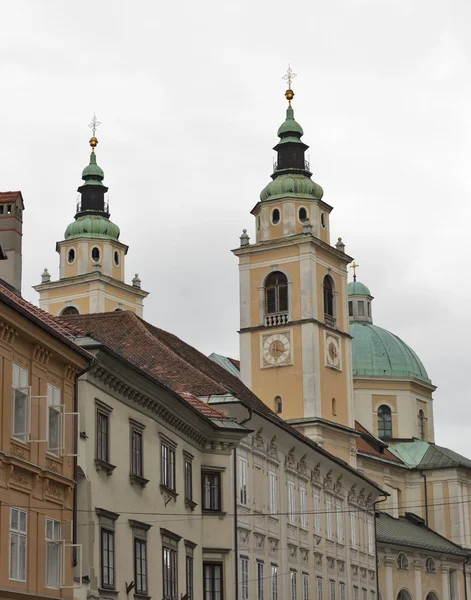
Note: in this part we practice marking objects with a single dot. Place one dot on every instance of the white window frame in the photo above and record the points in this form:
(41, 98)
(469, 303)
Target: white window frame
(260, 580)
(353, 529)
(364, 594)
(339, 514)
(371, 541)
(317, 514)
(329, 518)
(54, 404)
(319, 588)
(20, 379)
(273, 490)
(293, 584)
(273, 582)
(243, 481)
(341, 590)
(305, 581)
(291, 502)
(331, 589)
(244, 578)
(303, 507)
(55, 541)
(355, 592)
(20, 534)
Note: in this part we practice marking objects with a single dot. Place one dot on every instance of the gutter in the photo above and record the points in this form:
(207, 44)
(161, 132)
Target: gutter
(376, 544)
(464, 578)
(425, 497)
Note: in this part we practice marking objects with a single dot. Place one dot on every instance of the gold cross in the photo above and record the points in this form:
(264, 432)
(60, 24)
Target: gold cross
(94, 124)
(289, 76)
(354, 266)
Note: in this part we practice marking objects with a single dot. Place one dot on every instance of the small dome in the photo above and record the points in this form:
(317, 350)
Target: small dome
(298, 186)
(379, 353)
(93, 171)
(290, 125)
(94, 226)
(356, 288)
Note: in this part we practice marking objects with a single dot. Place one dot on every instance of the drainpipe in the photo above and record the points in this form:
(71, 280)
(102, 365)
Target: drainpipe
(464, 578)
(376, 544)
(426, 498)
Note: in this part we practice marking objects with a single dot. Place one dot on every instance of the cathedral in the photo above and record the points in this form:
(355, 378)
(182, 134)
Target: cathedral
(311, 351)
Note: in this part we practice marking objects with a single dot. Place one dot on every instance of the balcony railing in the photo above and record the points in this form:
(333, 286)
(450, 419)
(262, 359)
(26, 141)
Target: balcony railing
(330, 321)
(307, 165)
(274, 319)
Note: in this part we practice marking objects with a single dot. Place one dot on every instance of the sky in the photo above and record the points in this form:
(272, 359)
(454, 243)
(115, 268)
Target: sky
(190, 96)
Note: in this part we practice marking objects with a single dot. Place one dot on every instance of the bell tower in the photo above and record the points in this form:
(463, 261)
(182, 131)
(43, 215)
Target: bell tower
(91, 256)
(295, 348)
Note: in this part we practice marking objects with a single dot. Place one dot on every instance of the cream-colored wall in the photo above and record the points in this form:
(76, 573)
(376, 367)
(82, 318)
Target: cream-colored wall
(83, 262)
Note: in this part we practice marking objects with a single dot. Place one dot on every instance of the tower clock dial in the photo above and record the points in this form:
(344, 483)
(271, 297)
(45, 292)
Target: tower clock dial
(276, 349)
(332, 351)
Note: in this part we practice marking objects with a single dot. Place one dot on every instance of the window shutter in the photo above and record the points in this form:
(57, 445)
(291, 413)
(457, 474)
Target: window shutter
(283, 298)
(271, 300)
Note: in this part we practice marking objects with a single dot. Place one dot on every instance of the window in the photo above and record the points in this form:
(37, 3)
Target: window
(372, 595)
(243, 476)
(317, 513)
(53, 553)
(342, 591)
(17, 544)
(302, 214)
(168, 465)
(272, 506)
(70, 310)
(332, 590)
(95, 253)
(293, 585)
(107, 559)
(453, 584)
(71, 256)
(302, 506)
(334, 406)
(275, 216)
(353, 529)
(355, 592)
(384, 422)
(212, 581)
(323, 220)
(371, 541)
(318, 588)
(278, 405)
(273, 582)
(136, 452)
(290, 502)
(368, 305)
(20, 409)
(9, 209)
(170, 573)
(103, 433)
(421, 424)
(276, 293)
(364, 594)
(430, 566)
(350, 308)
(260, 580)
(339, 511)
(54, 419)
(189, 574)
(361, 308)
(244, 578)
(329, 298)
(211, 491)
(188, 477)
(305, 578)
(116, 258)
(328, 519)
(1, 210)
(140, 565)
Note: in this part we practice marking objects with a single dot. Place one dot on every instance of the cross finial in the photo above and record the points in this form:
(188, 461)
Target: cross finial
(94, 124)
(290, 75)
(354, 266)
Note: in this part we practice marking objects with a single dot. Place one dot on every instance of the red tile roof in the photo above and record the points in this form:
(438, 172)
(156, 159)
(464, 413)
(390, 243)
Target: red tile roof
(202, 407)
(235, 362)
(369, 444)
(9, 196)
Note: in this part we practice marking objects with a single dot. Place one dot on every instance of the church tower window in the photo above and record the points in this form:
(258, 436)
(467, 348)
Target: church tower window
(116, 258)
(276, 293)
(278, 405)
(302, 214)
(71, 256)
(329, 316)
(384, 422)
(350, 308)
(421, 424)
(95, 253)
(70, 310)
(275, 216)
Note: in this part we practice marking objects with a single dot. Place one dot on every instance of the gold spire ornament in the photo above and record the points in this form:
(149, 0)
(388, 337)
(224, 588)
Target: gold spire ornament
(93, 126)
(354, 266)
(290, 75)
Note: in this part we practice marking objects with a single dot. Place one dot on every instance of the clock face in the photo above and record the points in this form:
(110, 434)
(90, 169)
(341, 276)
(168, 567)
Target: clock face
(332, 351)
(276, 349)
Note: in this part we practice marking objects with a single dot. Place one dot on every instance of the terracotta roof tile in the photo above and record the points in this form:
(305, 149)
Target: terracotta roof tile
(368, 444)
(205, 409)
(9, 196)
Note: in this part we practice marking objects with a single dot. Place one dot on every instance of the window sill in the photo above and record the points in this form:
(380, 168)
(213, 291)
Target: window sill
(102, 465)
(105, 591)
(190, 504)
(166, 490)
(142, 595)
(142, 481)
(209, 512)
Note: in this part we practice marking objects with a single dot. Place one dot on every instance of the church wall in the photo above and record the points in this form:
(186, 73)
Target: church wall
(334, 384)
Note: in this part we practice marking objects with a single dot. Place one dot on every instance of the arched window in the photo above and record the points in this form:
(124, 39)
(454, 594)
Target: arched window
(329, 316)
(421, 424)
(433, 596)
(404, 595)
(430, 566)
(278, 405)
(95, 253)
(276, 293)
(402, 561)
(384, 422)
(70, 310)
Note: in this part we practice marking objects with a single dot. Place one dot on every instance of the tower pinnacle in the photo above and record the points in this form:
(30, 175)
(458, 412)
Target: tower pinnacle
(290, 75)
(93, 126)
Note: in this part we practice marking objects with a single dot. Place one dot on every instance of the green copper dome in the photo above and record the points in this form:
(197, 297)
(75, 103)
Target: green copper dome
(356, 288)
(93, 174)
(292, 185)
(290, 125)
(93, 226)
(379, 353)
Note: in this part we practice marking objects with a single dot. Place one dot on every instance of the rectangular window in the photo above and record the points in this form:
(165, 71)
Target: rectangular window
(273, 582)
(243, 477)
(361, 308)
(244, 578)
(17, 544)
(212, 581)
(364, 594)
(107, 559)
(54, 419)
(20, 404)
(373, 596)
(302, 506)
(189, 577)
(371, 541)
(260, 581)
(355, 592)
(332, 590)
(136, 453)
(342, 591)
(188, 478)
(102, 436)
(318, 588)
(369, 309)
(350, 308)
(339, 510)
(353, 528)
(168, 465)
(53, 553)
(170, 574)
(317, 514)
(272, 506)
(290, 502)
(294, 585)
(211, 485)
(140, 566)
(305, 586)
(328, 518)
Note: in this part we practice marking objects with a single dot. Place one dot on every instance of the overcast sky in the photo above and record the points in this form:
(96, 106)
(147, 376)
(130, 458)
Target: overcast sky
(190, 97)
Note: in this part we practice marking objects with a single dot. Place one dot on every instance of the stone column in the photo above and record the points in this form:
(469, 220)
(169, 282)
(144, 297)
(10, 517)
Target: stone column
(418, 567)
(445, 582)
(388, 564)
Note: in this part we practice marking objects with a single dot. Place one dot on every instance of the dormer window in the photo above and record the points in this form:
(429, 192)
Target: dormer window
(329, 316)
(276, 299)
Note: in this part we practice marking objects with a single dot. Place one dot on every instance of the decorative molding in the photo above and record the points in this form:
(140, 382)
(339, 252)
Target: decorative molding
(272, 451)
(273, 545)
(352, 494)
(258, 443)
(53, 490)
(259, 539)
(19, 452)
(70, 372)
(372, 575)
(328, 482)
(53, 466)
(302, 468)
(292, 552)
(316, 475)
(318, 559)
(331, 563)
(20, 477)
(41, 355)
(355, 570)
(244, 537)
(341, 566)
(304, 555)
(7, 333)
(290, 461)
(363, 572)
(338, 485)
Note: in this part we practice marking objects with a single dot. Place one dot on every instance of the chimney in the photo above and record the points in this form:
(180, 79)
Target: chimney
(11, 233)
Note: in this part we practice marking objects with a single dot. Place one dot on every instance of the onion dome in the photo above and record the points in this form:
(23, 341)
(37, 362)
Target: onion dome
(93, 226)
(93, 174)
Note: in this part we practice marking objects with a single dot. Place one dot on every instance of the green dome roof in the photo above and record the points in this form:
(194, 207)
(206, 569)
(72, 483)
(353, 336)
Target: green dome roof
(93, 174)
(93, 226)
(292, 184)
(356, 288)
(379, 353)
(290, 125)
